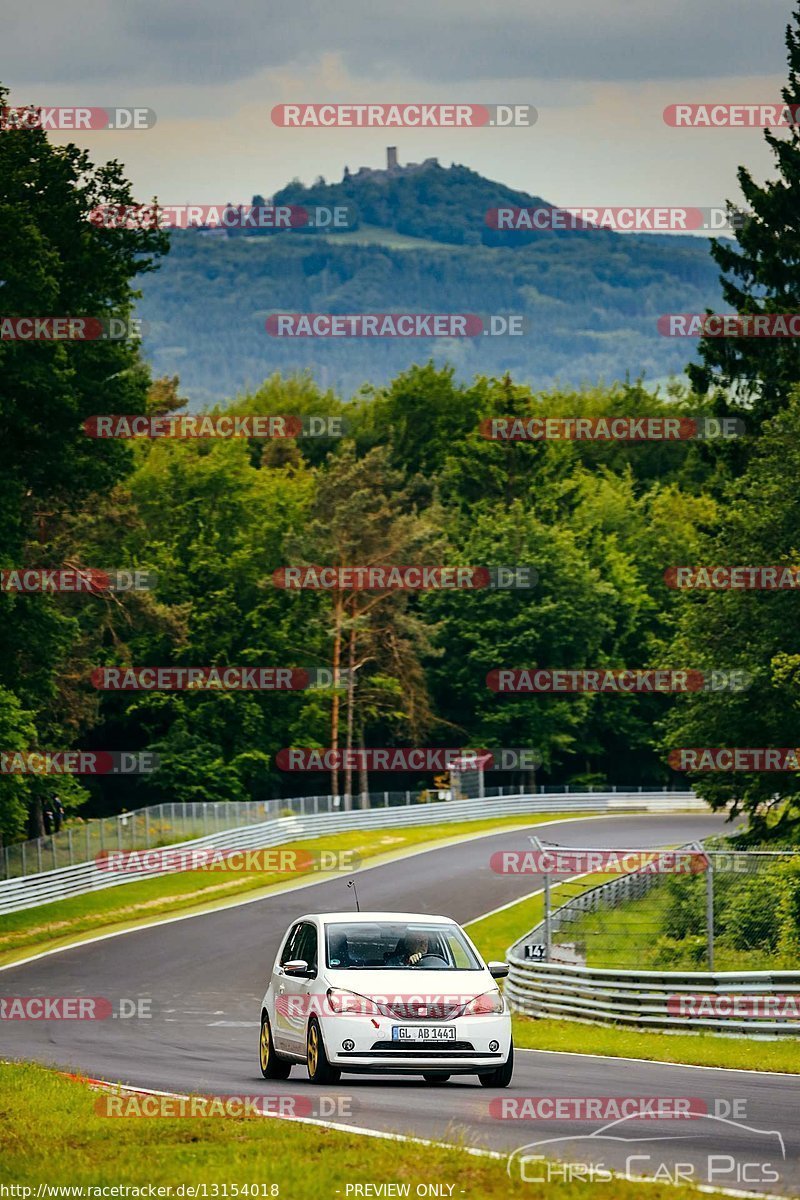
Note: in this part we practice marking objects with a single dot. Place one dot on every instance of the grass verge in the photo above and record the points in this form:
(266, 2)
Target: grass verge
(130, 904)
(701, 1049)
(494, 934)
(52, 1134)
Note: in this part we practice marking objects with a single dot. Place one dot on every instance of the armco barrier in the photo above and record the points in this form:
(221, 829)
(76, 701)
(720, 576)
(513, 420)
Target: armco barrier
(640, 998)
(645, 999)
(48, 886)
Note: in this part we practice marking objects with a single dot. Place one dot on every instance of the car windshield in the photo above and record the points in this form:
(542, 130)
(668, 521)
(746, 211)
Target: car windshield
(398, 945)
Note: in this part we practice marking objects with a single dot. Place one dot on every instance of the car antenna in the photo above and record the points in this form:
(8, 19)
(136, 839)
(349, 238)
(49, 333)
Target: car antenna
(352, 883)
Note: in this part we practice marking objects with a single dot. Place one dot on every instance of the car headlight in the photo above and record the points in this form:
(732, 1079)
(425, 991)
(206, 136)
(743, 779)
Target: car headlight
(490, 1003)
(343, 1001)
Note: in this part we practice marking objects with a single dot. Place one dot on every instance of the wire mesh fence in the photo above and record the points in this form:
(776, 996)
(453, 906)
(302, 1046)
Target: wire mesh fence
(165, 824)
(720, 908)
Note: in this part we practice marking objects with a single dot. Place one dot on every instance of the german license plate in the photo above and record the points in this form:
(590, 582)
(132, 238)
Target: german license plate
(423, 1033)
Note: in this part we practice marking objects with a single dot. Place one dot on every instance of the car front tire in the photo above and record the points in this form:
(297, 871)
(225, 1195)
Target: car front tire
(502, 1076)
(319, 1068)
(272, 1067)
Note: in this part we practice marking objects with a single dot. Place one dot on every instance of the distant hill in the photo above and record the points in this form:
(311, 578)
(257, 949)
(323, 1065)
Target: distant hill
(447, 205)
(420, 244)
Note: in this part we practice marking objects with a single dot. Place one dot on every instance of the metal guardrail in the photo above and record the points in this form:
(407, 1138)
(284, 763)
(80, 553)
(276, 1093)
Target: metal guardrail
(49, 886)
(644, 999)
(178, 821)
(641, 998)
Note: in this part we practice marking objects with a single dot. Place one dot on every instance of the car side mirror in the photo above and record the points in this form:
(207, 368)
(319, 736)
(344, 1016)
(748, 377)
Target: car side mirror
(498, 970)
(296, 966)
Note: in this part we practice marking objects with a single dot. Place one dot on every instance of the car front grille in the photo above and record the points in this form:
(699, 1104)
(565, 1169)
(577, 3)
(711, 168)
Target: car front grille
(422, 1048)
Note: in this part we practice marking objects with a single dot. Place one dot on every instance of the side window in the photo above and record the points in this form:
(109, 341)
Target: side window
(307, 946)
(288, 951)
(458, 954)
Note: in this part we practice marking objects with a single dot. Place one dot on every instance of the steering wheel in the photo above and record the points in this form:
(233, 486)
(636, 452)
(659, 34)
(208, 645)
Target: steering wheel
(430, 960)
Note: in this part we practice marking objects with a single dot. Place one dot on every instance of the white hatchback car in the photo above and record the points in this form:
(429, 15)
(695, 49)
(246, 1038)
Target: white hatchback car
(403, 993)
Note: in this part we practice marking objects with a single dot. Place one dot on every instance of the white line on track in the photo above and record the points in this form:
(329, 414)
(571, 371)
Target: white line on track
(476, 1151)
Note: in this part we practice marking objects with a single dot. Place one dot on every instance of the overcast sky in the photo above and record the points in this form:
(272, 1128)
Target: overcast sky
(599, 74)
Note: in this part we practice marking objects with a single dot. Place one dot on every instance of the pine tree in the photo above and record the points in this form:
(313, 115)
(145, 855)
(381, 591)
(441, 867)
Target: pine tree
(761, 275)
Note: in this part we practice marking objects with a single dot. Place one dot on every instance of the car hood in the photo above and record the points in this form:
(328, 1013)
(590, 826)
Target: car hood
(392, 983)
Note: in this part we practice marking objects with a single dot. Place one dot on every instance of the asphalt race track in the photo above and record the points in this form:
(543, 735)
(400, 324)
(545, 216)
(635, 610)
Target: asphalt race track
(205, 977)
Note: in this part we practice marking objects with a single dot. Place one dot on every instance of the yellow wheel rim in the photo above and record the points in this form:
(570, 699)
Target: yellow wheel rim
(264, 1043)
(313, 1050)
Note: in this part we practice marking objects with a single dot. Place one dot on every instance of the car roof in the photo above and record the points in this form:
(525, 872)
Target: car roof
(328, 918)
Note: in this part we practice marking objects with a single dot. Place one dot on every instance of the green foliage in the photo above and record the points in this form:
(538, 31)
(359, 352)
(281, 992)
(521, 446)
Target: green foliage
(757, 631)
(55, 262)
(761, 274)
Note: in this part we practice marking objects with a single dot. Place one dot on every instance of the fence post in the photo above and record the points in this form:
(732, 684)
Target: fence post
(88, 844)
(385, 799)
(24, 856)
(547, 931)
(710, 910)
(147, 828)
(408, 796)
(39, 852)
(69, 841)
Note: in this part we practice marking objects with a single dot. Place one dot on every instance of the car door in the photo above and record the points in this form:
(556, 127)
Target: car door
(293, 991)
(280, 1023)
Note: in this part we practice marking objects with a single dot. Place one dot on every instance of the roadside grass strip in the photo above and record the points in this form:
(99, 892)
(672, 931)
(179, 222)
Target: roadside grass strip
(52, 1135)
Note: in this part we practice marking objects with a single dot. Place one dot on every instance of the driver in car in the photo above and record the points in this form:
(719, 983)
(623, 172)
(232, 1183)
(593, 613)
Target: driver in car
(410, 949)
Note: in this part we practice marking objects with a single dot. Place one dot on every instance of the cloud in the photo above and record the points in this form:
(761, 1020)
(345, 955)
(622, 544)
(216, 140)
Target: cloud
(193, 43)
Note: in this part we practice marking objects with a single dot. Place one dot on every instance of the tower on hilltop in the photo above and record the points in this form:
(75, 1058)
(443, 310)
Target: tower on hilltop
(391, 158)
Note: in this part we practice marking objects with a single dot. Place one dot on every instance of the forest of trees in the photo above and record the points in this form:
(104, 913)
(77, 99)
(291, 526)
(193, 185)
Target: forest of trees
(413, 481)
